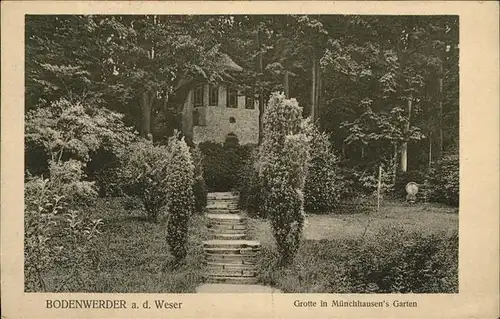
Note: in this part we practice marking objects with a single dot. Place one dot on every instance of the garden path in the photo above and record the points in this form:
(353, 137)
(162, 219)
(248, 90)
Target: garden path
(230, 256)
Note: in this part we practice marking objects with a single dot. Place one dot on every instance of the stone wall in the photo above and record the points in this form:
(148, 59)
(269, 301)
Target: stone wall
(215, 121)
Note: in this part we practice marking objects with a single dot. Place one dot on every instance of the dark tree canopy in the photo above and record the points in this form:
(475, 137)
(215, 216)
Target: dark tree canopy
(384, 86)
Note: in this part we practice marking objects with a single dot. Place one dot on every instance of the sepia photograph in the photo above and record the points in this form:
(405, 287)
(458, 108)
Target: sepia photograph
(244, 153)
(250, 159)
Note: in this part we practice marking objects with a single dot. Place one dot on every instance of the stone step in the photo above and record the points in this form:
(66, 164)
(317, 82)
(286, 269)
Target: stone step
(232, 280)
(231, 273)
(238, 236)
(224, 217)
(219, 211)
(231, 243)
(222, 195)
(231, 201)
(235, 288)
(223, 200)
(227, 225)
(218, 231)
(222, 204)
(232, 251)
(212, 222)
(234, 201)
(229, 222)
(230, 259)
(240, 227)
(220, 266)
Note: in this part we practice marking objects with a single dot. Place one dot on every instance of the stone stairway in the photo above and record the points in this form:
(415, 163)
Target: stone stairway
(231, 258)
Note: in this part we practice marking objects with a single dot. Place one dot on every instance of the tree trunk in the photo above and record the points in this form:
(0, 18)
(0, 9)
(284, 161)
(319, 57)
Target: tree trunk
(404, 157)
(286, 85)
(395, 166)
(438, 154)
(318, 92)
(261, 114)
(313, 87)
(440, 114)
(146, 103)
(430, 149)
(404, 148)
(261, 90)
(147, 98)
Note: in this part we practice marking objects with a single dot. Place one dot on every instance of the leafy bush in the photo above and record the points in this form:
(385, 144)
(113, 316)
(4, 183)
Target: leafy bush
(360, 182)
(222, 164)
(393, 261)
(249, 187)
(66, 180)
(144, 173)
(321, 189)
(396, 261)
(179, 189)
(199, 188)
(283, 158)
(69, 130)
(443, 181)
(104, 168)
(55, 234)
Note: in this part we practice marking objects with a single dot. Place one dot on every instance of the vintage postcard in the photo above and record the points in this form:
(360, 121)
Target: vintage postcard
(253, 159)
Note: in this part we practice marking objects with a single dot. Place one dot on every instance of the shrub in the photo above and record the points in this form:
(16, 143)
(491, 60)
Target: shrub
(398, 261)
(199, 188)
(104, 168)
(144, 174)
(55, 234)
(359, 183)
(443, 181)
(393, 261)
(66, 179)
(321, 189)
(222, 164)
(67, 130)
(282, 167)
(249, 187)
(179, 188)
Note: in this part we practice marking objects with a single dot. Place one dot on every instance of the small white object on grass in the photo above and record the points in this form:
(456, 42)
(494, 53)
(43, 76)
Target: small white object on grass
(411, 190)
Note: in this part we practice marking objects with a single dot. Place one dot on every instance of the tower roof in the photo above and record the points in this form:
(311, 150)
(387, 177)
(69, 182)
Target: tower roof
(228, 64)
(225, 62)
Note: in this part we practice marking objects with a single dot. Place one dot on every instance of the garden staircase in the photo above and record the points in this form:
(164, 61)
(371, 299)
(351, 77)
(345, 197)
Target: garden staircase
(230, 256)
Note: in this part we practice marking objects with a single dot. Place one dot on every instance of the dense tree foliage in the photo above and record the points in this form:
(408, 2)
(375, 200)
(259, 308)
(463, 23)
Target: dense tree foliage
(129, 64)
(384, 88)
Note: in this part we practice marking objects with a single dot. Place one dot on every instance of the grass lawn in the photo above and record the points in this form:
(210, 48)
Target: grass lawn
(381, 239)
(134, 256)
(425, 218)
